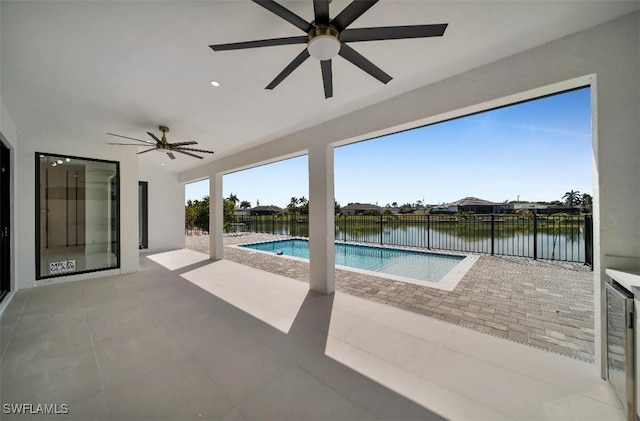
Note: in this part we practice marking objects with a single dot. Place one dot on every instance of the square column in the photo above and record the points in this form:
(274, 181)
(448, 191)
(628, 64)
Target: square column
(216, 220)
(321, 220)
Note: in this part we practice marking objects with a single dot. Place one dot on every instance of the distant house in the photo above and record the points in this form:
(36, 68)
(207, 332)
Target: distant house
(474, 205)
(360, 209)
(573, 210)
(531, 207)
(444, 208)
(242, 212)
(394, 210)
(541, 209)
(265, 210)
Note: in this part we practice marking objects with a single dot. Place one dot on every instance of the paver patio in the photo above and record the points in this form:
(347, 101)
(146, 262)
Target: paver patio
(544, 304)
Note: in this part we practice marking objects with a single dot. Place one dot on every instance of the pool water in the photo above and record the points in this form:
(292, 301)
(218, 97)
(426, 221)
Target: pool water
(430, 267)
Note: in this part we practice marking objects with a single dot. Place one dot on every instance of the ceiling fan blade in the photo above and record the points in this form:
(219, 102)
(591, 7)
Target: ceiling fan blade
(327, 78)
(354, 57)
(127, 144)
(188, 153)
(131, 138)
(353, 11)
(393, 32)
(147, 150)
(154, 137)
(171, 155)
(192, 150)
(285, 14)
(321, 11)
(290, 68)
(260, 43)
(192, 142)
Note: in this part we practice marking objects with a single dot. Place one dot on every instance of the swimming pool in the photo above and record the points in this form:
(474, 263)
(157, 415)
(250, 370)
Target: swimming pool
(422, 266)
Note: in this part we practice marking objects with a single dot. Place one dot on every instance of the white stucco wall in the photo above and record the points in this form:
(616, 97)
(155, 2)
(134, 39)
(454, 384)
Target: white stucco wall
(607, 57)
(9, 135)
(30, 143)
(166, 209)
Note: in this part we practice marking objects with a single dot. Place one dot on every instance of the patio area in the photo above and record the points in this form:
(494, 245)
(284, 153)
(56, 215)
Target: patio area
(548, 305)
(187, 338)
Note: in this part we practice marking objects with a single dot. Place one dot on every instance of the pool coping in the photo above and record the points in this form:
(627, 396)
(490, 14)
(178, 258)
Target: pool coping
(447, 283)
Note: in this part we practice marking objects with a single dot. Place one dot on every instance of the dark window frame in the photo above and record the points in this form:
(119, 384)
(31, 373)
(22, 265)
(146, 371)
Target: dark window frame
(39, 276)
(5, 219)
(143, 204)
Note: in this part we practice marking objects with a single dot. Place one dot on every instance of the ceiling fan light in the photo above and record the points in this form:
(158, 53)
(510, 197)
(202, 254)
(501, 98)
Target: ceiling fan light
(324, 47)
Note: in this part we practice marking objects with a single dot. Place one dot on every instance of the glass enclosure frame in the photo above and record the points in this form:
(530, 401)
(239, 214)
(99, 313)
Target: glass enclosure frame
(112, 222)
(143, 215)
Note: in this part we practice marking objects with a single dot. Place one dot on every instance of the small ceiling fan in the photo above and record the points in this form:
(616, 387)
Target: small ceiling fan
(161, 145)
(327, 38)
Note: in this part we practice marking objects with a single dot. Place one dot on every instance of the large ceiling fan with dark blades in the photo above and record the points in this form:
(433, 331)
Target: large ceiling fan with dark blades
(327, 38)
(162, 145)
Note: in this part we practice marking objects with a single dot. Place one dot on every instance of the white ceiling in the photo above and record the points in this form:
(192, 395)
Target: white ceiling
(78, 70)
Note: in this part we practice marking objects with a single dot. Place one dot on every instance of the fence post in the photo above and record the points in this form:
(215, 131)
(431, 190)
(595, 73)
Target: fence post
(535, 236)
(493, 232)
(273, 224)
(381, 230)
(344, 228)
(428, 231)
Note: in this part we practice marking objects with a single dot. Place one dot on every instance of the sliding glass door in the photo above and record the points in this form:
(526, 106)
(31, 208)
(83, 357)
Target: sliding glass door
(5, 225)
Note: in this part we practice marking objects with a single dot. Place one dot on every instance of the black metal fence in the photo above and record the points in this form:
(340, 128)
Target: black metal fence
(554, 237)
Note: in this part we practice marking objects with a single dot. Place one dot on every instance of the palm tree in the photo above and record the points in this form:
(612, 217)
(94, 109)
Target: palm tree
(292, 207)
(587, 202)
(572, 198)
(233, 198)
(245, 204)
(304, 205)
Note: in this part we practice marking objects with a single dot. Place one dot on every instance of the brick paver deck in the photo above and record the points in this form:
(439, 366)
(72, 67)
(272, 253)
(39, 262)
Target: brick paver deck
(544, 304)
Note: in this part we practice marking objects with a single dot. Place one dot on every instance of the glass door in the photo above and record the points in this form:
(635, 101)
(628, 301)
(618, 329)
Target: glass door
(143, 215)
(5, 233)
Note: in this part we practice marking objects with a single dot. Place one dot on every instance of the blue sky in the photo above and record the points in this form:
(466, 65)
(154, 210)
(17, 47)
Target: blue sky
(536, 150)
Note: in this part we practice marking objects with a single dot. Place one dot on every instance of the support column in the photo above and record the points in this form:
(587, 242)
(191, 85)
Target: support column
(321, 220)
(216, 220)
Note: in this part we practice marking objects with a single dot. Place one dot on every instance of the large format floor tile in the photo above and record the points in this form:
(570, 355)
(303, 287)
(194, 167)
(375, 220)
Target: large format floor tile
(186, 338)
(119, 358)
(297, 396)
(175, 391)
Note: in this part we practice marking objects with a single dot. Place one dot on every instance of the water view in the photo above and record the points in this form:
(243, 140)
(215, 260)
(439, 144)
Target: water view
(555, 238)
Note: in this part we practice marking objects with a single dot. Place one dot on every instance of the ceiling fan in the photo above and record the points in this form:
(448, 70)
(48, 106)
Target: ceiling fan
(327, 38)
(161, 145)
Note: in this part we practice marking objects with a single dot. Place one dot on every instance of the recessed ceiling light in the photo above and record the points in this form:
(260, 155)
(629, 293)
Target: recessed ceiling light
(59, 161)
(68, 159)
(41, 156)
(53, 164)
(162, 165)
(215, 83)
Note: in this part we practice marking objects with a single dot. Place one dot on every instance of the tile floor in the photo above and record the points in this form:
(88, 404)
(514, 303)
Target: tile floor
(545, 304)
(186, 338)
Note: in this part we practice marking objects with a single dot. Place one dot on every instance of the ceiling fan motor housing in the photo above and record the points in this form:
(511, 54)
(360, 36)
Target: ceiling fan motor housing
(324, 42)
